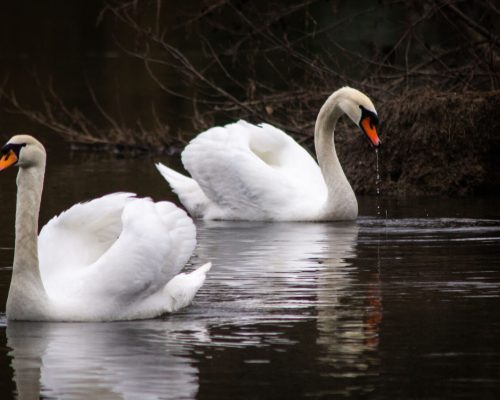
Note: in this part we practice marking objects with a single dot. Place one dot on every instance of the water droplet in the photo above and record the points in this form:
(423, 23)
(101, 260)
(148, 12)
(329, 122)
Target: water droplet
(377, 184)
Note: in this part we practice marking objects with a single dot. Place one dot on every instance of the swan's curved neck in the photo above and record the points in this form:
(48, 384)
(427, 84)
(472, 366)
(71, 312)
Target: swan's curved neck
(341, 202)
(27, 294)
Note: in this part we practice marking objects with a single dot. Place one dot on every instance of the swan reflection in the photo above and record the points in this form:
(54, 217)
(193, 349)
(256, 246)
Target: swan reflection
(294, 270)
(138, 359)
(275, 287)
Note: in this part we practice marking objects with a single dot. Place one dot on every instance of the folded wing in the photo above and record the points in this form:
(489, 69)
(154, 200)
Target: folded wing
(252, 170)
(120, 250)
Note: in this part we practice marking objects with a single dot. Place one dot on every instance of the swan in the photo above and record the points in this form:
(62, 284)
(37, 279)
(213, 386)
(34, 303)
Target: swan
(247, 172)
(116, 257)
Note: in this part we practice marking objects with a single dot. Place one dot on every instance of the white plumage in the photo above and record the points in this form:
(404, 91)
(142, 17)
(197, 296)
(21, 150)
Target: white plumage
(234, 165)
(247, 172)
(114, 258)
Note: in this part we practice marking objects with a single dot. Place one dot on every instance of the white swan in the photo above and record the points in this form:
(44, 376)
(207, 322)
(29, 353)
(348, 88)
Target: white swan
(247, 172)
(114, 258)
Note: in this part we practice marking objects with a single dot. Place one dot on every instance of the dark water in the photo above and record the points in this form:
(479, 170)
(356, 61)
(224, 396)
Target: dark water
(406, 306)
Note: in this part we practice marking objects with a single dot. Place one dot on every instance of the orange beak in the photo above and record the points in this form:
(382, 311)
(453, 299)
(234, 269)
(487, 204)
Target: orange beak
(8, 159)
(370, 130)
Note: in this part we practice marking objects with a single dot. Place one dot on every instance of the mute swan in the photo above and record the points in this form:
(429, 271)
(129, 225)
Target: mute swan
(114, 258)
(247, 172)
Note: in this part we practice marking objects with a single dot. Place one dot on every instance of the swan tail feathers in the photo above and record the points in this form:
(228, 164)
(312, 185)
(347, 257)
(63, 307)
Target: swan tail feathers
(183, 287)
(190, 193)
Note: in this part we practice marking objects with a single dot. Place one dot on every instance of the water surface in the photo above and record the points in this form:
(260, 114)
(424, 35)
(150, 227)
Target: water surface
(403, 306)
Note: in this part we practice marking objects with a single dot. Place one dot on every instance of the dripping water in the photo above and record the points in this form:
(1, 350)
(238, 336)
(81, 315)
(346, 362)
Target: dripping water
(377, 184)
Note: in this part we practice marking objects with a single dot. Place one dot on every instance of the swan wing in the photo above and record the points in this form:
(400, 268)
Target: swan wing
(115, 249)
(156, 241)
(252, 171)
(80, 235)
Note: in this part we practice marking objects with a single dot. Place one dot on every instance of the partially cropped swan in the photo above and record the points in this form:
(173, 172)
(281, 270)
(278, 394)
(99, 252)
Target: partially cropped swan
(114, 258)
(247, 172)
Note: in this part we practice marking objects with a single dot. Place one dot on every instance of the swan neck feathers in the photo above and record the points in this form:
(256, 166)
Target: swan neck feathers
(26, 287)
(341, 201)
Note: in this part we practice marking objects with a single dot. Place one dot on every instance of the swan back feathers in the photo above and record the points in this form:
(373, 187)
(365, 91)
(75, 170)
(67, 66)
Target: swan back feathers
(239, 165)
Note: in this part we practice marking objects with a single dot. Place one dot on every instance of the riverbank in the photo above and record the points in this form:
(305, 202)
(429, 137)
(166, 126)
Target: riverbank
(433, 143)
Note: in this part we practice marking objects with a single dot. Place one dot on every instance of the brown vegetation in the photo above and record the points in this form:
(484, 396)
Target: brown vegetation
(434, 143)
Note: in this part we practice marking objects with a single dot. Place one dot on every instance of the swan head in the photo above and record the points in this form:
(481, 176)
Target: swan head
(360, 109)
(23, 151)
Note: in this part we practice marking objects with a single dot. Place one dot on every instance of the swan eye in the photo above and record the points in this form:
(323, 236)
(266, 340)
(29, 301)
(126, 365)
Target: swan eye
(10, 154)
(15, 147)
(374, 122)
